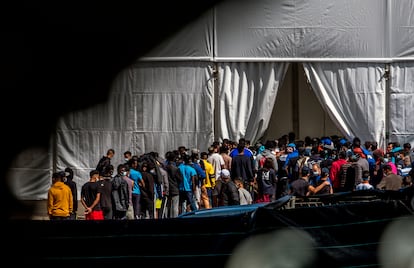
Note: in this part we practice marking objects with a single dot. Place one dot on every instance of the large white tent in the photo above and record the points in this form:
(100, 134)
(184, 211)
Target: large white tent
(220, 77)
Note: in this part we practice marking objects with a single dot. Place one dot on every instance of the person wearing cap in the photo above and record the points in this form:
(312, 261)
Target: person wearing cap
(59, 198)
(290, 163)
(229, 194)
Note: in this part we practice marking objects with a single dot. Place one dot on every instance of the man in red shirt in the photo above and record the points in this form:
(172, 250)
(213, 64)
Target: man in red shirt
(335, 168)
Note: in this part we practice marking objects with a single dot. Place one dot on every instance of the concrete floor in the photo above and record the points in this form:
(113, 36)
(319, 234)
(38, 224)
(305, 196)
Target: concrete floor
(40, 212)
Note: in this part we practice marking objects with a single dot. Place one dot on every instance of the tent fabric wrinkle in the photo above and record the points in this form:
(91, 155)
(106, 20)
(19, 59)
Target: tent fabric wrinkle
(355, 104)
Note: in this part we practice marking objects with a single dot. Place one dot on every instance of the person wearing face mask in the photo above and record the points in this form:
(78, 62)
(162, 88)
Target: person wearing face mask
(316, 175)
(127, 156)
(120, 194)
(68, 180)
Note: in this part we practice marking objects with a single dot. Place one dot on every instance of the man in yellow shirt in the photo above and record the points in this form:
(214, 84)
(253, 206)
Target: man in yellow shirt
(208, 183)
(59, 198)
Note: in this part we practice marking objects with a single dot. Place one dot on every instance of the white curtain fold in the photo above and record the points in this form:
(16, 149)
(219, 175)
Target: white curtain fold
(247, 94)
(353, 94)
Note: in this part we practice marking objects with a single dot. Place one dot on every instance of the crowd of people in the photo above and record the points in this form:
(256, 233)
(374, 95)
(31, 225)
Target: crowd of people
(228, 173)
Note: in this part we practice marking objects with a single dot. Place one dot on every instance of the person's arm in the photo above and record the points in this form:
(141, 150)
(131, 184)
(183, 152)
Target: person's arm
(82, 199)
(235, 196)
(141, 182)
(49, 204)
(316, 189)
(193, 183)
(70, 201)
(166, 184)
(95, 202)
(381, 184)
(83, 203)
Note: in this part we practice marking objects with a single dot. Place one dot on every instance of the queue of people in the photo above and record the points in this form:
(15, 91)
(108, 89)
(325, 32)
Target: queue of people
(228, 173)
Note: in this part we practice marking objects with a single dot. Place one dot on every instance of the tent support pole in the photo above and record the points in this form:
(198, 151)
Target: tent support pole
(295, 98)
(216, 111)
(387, 78)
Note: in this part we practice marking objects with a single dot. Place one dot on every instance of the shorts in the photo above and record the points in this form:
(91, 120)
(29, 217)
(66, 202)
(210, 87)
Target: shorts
(94, 215)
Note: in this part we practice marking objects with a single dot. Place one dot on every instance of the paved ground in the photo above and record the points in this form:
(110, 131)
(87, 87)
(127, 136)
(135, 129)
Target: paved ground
(40, 212)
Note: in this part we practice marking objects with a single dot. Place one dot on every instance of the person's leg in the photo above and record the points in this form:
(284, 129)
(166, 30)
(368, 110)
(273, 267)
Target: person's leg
(175, 204)
(136, 202)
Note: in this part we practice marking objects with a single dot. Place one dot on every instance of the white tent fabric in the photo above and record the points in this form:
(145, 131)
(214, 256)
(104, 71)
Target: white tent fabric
(195, 41)
(353, 94)
(301, 29)
(401, 102)
(153, 106)
(171, 98)
(297, 30)
(247, 95)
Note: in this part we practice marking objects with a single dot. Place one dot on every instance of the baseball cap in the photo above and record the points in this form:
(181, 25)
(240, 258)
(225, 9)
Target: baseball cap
(325, 171)
(305, 170)
(225, 173)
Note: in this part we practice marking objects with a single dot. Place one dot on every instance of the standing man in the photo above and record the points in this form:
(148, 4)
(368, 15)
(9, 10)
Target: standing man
(120, 194)
(91, 197)
(136, 176)
(105, 161)
(187, 186)
(242, 168)
(174, 180)
(73, 187)
(106, 193)
(59, 198)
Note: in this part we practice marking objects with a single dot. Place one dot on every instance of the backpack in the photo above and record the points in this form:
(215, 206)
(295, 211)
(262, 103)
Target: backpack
(120, 193)
(350, 178)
